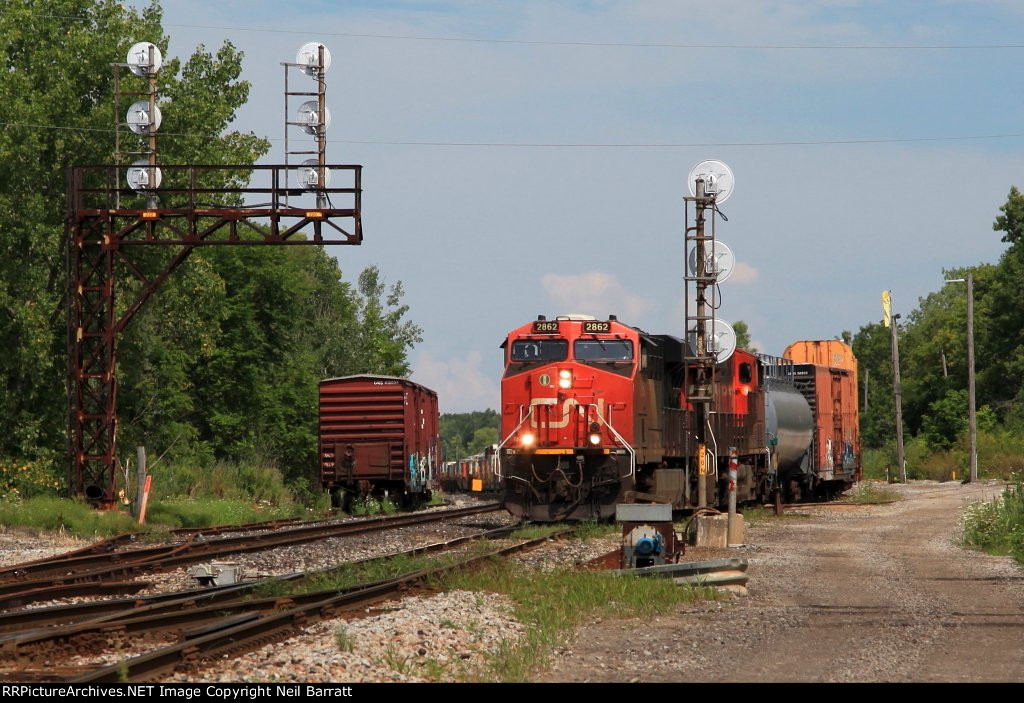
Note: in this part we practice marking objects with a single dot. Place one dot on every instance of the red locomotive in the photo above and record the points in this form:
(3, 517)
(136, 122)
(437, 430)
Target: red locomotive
(378, 435)
(594, 413)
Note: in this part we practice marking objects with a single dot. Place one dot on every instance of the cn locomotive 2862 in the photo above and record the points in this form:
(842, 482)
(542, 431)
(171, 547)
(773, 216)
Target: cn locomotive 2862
(594, 413)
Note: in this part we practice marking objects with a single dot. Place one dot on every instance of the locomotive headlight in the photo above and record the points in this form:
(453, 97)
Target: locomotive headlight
(565, 378)
(527, 440)
(595, 438)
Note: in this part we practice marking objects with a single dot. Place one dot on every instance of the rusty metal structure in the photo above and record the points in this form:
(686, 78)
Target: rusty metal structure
(110, 276)
(701, 321)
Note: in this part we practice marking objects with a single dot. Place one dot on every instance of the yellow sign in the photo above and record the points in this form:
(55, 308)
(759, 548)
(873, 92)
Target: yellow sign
(886, 302)
(702, 461)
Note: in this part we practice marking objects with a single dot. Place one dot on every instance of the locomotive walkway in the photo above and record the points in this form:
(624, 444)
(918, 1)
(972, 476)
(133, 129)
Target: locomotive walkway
(861, 593)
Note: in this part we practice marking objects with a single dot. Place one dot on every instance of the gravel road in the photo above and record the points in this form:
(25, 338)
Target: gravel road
(858, 593)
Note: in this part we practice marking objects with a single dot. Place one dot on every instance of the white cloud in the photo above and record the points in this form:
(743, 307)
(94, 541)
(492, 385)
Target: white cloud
(461, 384)
(595, 293)
(743, 273)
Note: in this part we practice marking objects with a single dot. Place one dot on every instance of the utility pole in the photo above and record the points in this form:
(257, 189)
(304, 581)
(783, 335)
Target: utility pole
(898, 394)
(972, 417)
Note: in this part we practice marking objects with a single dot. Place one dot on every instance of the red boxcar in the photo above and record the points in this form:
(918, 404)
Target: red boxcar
(378, 435)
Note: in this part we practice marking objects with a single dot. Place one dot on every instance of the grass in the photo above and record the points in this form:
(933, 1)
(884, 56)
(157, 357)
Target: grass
(204, 512)
(551, 605)
(997, 526)
(591, 529)
(756, 515)
(344, 640)
(536, 531)
(371, 506)
(64, 515)
(871, 494)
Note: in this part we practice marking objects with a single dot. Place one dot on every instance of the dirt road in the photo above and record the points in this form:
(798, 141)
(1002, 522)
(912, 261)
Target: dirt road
(866, 593)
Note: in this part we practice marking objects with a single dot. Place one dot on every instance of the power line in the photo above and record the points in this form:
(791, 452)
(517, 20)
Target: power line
(606, 145)
(580, 145)
(624, 45)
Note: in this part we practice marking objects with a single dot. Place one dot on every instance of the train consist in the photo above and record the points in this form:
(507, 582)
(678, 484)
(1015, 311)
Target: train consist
(378, 435)
(595, 413)
(471, 474)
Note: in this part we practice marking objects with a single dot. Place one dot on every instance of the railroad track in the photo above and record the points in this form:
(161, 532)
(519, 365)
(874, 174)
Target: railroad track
(225, 622)
(106, 572)
(16, 572)
(48, 631)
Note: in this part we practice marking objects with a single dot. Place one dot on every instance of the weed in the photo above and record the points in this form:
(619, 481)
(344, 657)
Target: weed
(396, 661)
(433, 670)
(997, 526)
(871, 494)
(343, 639)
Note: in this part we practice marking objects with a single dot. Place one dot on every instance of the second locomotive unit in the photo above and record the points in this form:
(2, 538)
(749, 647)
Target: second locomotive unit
(594, 413)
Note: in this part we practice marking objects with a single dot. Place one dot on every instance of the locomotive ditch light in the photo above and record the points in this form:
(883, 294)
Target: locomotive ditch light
(527, 440)
(595, 439)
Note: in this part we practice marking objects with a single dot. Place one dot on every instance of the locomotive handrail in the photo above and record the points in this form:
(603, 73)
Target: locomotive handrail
(623, 442)
(495, 463)
(714, 454)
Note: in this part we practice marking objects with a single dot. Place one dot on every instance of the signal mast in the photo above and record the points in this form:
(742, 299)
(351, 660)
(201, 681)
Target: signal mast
(710, 340)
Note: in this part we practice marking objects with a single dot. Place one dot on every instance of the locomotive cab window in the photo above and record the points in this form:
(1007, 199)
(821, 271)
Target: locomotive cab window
(602, 350)
(539, 350)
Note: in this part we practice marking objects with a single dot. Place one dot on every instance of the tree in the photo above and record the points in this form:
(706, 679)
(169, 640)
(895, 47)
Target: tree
(743, 336)
(1011, 222)
(383, 336)
(946, 420)
(464, 434)
(224, 360)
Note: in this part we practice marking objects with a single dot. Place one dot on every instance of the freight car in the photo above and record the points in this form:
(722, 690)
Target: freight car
(594, 413)
(378, 435)
(471, 474)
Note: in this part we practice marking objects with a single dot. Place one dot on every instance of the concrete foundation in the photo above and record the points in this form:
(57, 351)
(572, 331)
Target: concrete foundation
(711, 531)
(715, 531)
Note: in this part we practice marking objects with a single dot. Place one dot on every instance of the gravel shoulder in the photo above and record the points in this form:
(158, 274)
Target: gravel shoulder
(864, 593)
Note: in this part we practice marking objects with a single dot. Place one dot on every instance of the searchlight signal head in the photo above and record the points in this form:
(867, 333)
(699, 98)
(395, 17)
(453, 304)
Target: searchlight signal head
(138, 58)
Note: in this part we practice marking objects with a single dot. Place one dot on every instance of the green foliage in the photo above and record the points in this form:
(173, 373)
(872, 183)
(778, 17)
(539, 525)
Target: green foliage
(60, 514)
(205, 512)
(1011, 222)
(221, 480)
(223, 361)
(743, 336)
(25, 479)
(465, 434)
(372, 506)
(947, 419)
(871, 494)
(997, 526)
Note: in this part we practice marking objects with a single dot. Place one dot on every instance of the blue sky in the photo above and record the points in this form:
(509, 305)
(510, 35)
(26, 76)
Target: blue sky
(484, 238)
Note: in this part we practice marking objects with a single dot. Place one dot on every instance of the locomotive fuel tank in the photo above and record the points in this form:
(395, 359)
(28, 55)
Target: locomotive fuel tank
(789, 421)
